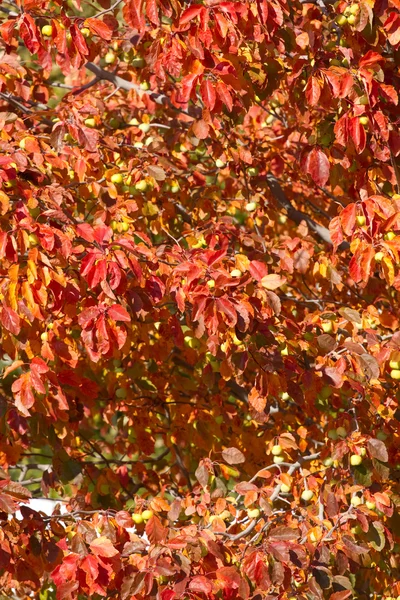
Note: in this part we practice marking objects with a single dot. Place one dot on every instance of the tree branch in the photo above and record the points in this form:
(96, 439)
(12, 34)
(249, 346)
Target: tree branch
(128, 86)
(297, 215)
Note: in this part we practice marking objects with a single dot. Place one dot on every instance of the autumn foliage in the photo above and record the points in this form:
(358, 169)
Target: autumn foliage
(199, 289)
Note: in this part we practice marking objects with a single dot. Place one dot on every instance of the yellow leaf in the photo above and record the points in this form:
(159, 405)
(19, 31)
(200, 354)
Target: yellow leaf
(388, 269)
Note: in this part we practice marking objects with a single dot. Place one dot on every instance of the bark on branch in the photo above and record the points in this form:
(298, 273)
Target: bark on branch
(102, 74)
(297, 216)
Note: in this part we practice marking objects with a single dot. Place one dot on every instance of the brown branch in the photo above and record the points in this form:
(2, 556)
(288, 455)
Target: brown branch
(297, 215)
(123, 84)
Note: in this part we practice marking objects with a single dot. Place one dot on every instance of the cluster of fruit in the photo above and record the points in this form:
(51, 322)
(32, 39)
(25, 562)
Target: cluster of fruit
(349, 17)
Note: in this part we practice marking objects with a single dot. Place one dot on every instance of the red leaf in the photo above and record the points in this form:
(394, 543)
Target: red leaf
(124, 519)
(152, 12)
(360, 264)
(102, 546)
(186, 87)
(155, 531)
(392, 26)
(258, 269)
(336, 232)
(118, 313)
(91, 567)
(29, 33)
(133, 15)
(256, 400)
(226, 307)
(341, 130)
(10, 320)
(6, 30)
(208, 93)
(190, 13)
(245, 155)
(313, 91)
(201, 129)
(316, 163)
(79, 40)
(201, 584)
(357, 133)
(371, 58)
(348, 218)
(99, 28)
(224, 95)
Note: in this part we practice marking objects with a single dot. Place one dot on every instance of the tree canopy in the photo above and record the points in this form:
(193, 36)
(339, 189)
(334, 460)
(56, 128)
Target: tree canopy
(199, 286)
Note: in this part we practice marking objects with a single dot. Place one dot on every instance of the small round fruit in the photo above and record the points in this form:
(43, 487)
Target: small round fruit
(147, 514)
(125, 226)
(394, 364)
(211, 284)
(341, 20)
(328, 462)
(141, 185)
(121, 393)
(342, 432)
(389, 236)
(251, 206)
(137, 518)
(220, 164)
(252, 171)
(85, 31)
(332, 434)
(50, 326)
(355, 460)
(378, 256)
(225, 515)
(138, 62)
(278, 460)
(326, 392)
(351, 19)
(276, 450)
(354, 9)
(47, 30)
(285, 488)
(144, 86)
(236, 273)
(307, 495)
(360, 218)
(253, 513)
(370, 505)
(33, 239)
(117, 178)
(145, 127)
(90, 122)
(395, 374)
(364, 120)
(327, 327)
(109, 58)
(363, 451)
(356, 530)
(356, 501)
(44, 336)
